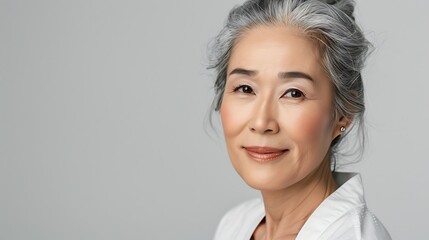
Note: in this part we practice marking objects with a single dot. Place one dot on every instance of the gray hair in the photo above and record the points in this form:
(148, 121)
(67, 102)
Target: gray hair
(342, 43)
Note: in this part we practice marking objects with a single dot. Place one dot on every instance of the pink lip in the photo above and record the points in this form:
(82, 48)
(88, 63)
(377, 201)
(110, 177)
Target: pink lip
(264, 154)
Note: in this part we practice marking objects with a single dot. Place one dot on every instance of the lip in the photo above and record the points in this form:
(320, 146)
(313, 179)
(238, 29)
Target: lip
(265, 154)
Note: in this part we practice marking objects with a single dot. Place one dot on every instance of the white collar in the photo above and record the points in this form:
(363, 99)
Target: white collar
(348, 195)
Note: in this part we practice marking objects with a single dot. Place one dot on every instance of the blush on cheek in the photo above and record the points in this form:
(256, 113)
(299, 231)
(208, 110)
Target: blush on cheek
(310, 127)
(230, 123)
(227, 117)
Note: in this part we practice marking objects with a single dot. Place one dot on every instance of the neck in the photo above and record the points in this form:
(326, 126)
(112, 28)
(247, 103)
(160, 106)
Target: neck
(288, 209)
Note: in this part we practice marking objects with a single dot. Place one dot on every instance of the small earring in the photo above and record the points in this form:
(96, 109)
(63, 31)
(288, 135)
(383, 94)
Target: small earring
(342, 129)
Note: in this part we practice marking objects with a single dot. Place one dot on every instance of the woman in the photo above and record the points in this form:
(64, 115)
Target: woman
(289, 89)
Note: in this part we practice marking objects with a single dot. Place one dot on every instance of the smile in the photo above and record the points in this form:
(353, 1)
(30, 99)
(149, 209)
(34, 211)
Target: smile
(265, 154)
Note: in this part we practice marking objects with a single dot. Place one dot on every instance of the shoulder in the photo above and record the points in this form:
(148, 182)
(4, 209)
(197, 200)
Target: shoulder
(359, 224)
(370, 226)
(361, 221)
(240, 219)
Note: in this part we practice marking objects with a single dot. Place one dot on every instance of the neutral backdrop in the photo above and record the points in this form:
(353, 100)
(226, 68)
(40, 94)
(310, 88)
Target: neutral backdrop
(103, 108)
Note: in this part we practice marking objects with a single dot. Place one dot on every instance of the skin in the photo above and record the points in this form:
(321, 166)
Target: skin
(292, 113)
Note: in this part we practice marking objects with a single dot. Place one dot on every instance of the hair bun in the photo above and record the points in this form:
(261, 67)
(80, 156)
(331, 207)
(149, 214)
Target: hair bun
(346, 6)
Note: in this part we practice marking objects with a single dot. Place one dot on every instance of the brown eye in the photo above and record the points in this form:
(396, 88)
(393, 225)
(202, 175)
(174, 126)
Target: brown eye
(244, 89)
(293, 93)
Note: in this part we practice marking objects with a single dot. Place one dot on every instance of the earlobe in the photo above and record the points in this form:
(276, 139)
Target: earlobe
(344, 122)
(341, 126)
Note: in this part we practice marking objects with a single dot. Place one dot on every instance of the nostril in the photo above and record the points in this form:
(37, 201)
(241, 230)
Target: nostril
(269, 130)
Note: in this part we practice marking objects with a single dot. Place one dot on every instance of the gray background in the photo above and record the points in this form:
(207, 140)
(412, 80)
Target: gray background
(102, 130)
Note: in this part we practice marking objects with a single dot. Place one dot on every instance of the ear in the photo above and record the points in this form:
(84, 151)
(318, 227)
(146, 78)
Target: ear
(340, 122)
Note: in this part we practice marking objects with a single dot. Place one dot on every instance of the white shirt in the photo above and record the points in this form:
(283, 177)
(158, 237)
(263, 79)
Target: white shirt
(341, 216)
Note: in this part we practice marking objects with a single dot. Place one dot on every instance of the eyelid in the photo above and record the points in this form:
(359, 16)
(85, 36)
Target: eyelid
(294, 89)
(240, 86)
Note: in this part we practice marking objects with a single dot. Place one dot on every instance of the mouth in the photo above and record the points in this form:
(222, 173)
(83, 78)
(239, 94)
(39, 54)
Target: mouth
(265, 154)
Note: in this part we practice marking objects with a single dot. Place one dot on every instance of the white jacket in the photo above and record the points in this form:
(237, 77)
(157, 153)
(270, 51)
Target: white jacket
(341, 216)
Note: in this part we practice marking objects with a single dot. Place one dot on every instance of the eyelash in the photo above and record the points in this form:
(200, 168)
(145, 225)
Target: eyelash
(240, 88)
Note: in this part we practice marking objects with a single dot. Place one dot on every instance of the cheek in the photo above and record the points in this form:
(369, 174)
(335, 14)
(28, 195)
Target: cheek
(232, 122)
(232, 117)
(310, 126)
(227, 118)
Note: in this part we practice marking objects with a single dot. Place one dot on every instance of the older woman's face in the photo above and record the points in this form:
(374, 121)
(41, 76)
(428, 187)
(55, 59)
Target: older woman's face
(277, 108)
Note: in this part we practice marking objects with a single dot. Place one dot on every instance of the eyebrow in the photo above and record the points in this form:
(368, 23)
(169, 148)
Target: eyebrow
(284, 75)
(281, 75)
(243, 71)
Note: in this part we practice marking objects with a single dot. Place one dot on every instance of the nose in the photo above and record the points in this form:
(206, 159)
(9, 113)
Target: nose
(264, 119)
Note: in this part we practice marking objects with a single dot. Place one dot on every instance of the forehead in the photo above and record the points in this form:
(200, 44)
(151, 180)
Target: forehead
(279, 47)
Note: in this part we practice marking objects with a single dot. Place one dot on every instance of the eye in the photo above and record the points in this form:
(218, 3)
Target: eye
(293, 93)
(244, 89)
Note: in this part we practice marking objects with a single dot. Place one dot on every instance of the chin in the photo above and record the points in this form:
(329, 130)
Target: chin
(266, 180)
